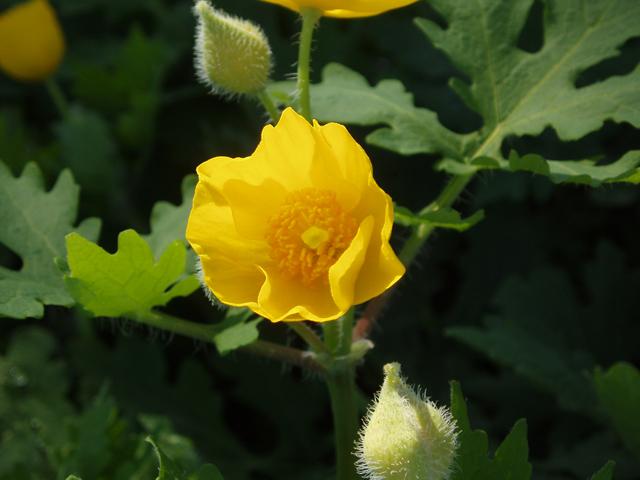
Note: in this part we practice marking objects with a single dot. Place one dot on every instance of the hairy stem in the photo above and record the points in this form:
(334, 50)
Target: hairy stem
(309, 336)
(207, 333)
(310, 17)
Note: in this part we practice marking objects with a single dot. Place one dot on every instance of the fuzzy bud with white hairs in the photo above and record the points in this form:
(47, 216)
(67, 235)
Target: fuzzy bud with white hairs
(232, 55)
(405, 436)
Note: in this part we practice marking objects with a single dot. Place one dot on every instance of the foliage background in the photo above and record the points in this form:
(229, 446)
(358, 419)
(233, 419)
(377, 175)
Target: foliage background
(555, 268)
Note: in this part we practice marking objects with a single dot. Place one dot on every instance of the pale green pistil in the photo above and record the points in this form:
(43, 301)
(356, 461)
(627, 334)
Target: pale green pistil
(314, 237)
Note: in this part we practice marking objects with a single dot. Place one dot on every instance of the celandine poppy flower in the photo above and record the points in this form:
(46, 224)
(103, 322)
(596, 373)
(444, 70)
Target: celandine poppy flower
(31, 41)
(297, 231)
(345, 8)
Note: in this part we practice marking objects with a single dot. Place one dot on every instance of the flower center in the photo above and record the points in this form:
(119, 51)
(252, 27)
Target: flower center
(309, 234)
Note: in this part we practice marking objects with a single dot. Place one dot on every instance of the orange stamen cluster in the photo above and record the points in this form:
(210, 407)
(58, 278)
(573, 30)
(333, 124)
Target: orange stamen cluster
(306, 216)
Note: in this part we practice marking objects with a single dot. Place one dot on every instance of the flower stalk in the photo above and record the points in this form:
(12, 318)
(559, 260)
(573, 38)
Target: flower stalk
(310, 17)
(206, 333)
(340, 378)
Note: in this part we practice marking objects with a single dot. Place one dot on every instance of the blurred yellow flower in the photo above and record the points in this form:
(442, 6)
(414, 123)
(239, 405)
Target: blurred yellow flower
(345, 8)
(31, 41)
(297, 231)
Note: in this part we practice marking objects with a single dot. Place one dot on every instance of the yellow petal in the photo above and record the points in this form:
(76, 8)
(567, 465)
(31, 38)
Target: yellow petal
(243, 258)
(281, 298)
(344, 274)
(345, 8)
(381, 269)
(31, 41)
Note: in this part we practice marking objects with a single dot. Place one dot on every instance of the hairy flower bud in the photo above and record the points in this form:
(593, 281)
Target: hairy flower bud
(405, 436)
(232, 55)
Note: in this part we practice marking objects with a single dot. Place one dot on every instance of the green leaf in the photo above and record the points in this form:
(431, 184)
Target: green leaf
(606, 472)
(510, 461)
(516, 92)
(474, 446)
(511, 458)
(619, 393)
(168, 469)
(445, 218)
(346, 97)
(128, 282)
(34, 224)
(236, 330)
(209, 472)
(521, 93)
(169, 222)
(584, 171)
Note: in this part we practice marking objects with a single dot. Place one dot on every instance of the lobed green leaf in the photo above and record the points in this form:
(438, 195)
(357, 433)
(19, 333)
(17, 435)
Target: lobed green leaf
(129, 282)
(236, 330)
(516, 92)
(34, 225)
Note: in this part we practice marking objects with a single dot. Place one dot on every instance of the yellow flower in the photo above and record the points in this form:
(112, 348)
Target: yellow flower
(345, 8)
(31, 41)
(297, 231)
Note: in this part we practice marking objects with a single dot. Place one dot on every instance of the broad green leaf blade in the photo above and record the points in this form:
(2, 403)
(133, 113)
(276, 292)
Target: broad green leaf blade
(128, 282)
(522, 93)
(34, 224)
(619, 393)
(345, 96)
(606, 472)
(444, 218)
(515, 91)
(209, 472)
(168, 469)
(236, 330)
(168, 221)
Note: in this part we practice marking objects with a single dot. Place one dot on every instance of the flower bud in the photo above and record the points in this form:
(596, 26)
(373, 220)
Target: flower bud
(232, 55)
(405, 436)
(31, 41)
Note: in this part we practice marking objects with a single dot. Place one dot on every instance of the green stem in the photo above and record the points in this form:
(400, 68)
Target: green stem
(337, 334)
(346, 420)
(57, 96)
(309, 336)
(207, 333)
(340, 378)
(269, 106)
(310, 17)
